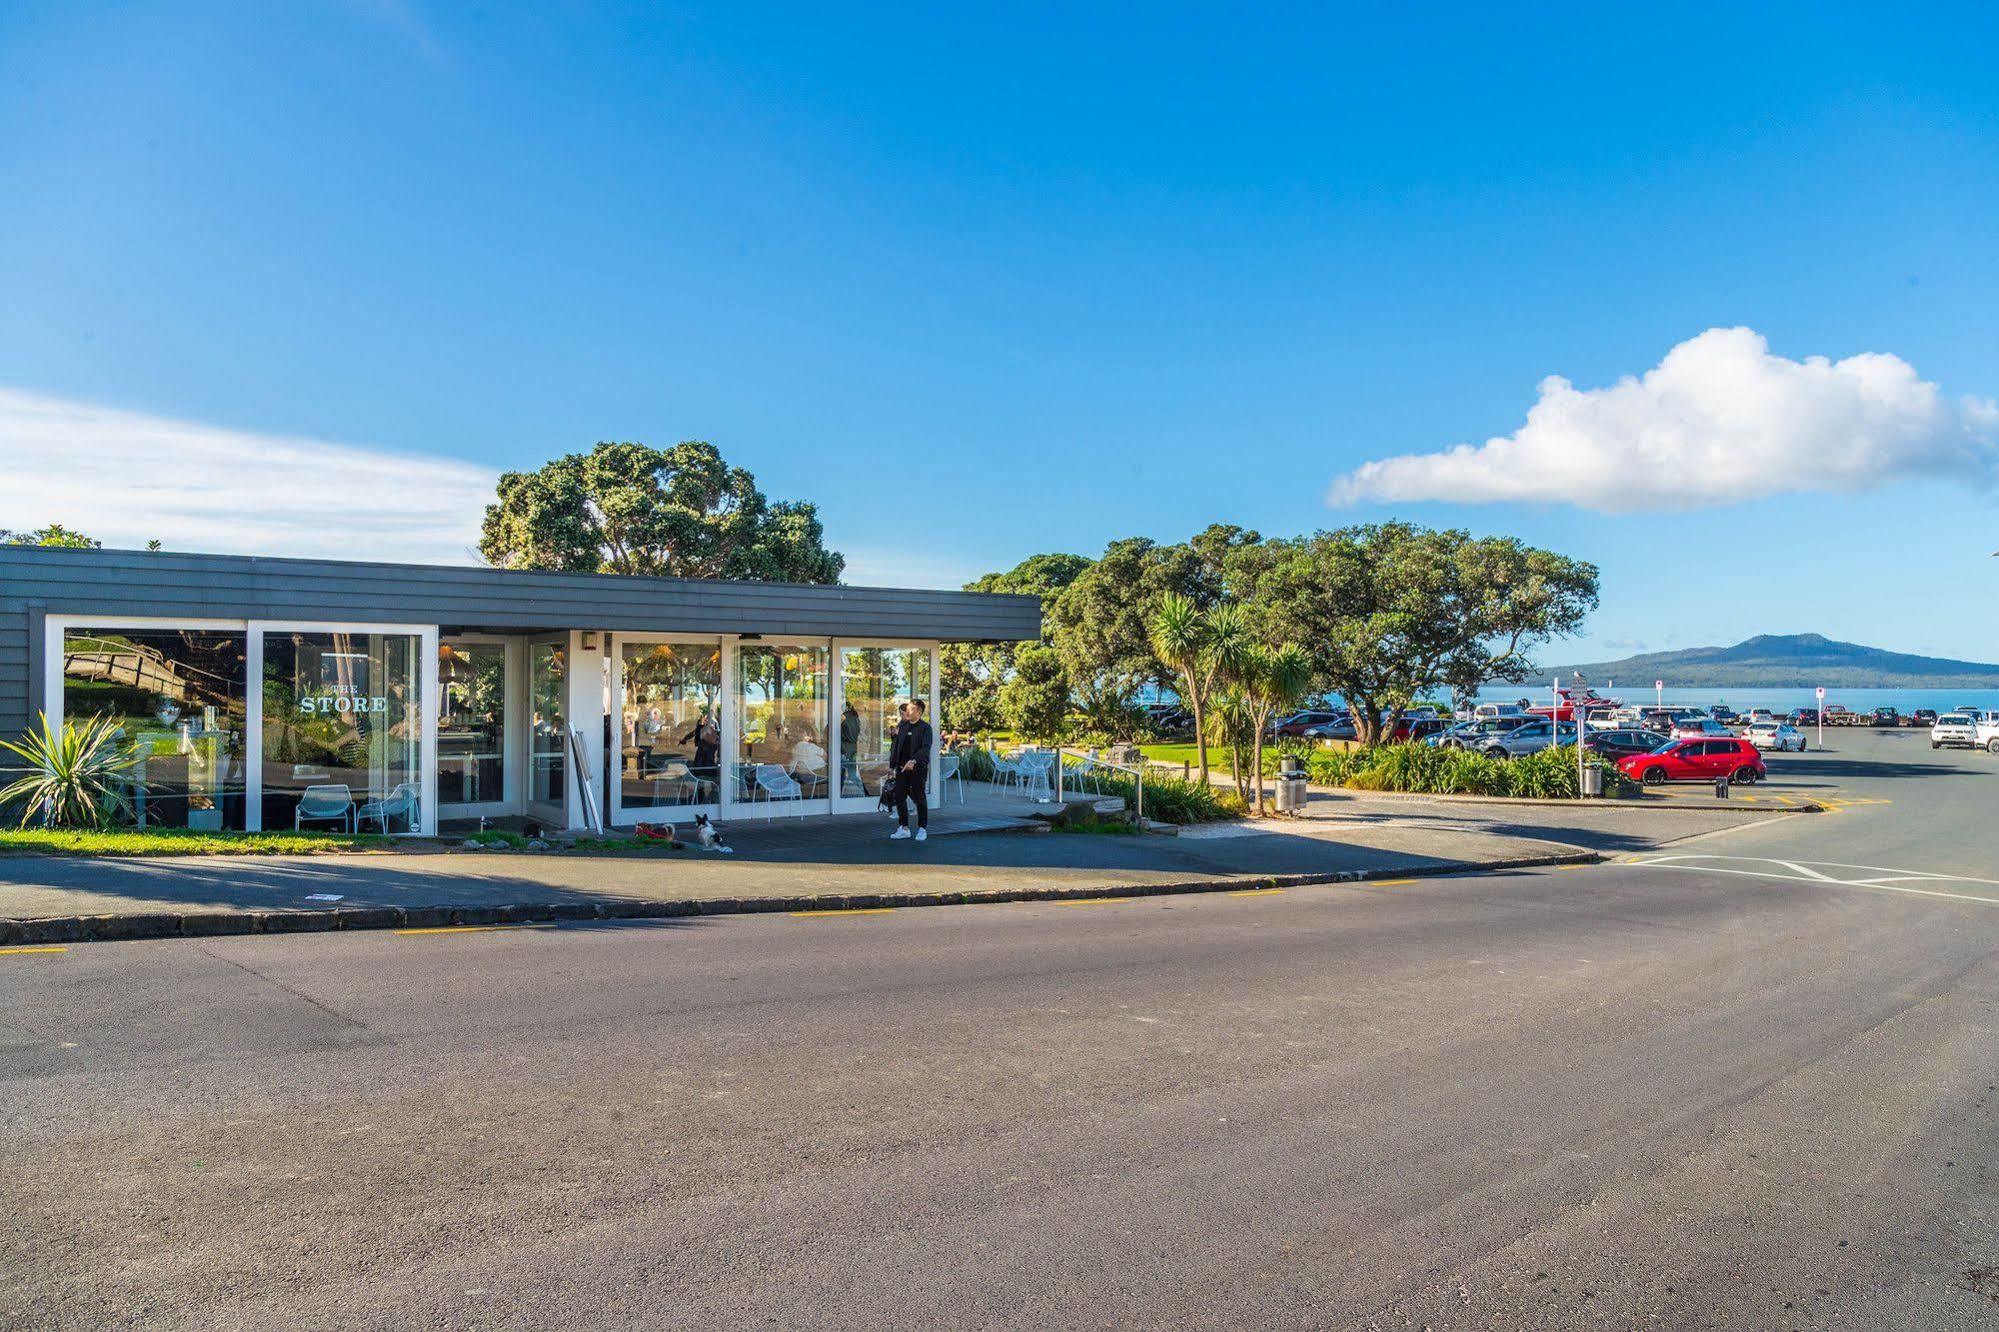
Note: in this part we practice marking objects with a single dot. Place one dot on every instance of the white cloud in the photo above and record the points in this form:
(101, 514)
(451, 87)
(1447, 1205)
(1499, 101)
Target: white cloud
(1718, 421)
(125, 478)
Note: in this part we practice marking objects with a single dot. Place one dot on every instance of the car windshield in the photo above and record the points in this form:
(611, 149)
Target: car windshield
(1954, 719)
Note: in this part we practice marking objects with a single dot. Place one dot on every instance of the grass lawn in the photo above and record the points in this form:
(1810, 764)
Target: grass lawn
(1181, 752)
(181, 842)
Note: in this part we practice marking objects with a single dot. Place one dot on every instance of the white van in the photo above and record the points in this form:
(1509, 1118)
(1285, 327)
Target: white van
(1492, 711)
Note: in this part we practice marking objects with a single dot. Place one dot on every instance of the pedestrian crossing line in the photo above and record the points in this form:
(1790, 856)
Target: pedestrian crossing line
(841, 911)
(23, 950)
(471, 929)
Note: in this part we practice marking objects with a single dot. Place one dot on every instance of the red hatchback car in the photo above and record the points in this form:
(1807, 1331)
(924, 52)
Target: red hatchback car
(1697, 761)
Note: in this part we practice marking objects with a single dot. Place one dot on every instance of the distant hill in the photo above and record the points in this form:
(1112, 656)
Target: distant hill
(1785, 661)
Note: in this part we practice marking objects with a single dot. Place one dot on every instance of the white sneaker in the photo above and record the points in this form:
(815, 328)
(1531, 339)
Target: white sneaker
(899, 835)
(922, 834)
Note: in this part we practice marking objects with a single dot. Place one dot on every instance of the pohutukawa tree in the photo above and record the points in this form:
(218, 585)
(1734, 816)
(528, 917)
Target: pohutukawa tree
(1388, 610)
(678, 512)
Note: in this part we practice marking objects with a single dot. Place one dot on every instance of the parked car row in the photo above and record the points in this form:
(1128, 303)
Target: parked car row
(1968, 728)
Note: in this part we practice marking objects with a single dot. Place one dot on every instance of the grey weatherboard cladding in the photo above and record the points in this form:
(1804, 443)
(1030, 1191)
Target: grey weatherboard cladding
(37, 581)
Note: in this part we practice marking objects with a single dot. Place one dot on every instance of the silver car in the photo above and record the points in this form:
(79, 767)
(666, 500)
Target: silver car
(1531, 738)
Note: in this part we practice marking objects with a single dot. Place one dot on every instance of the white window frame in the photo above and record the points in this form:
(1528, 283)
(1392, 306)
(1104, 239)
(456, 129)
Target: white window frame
(56, 627)
(619, 816)
(864, 803)
(426, 635)
(732, 744)
(514, 761)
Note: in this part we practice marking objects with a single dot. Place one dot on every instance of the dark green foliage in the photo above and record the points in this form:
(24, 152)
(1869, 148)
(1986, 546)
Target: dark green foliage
(679, 512)
(1432, 770)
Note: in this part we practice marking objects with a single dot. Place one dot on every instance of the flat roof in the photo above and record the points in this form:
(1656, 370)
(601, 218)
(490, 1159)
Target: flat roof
(174, 583)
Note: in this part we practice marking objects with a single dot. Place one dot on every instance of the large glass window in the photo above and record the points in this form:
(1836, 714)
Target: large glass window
(874, 684)
(671, 738)
(471, 723)
(343, 730)
(548, 726)
(179, 695)
(781, 713)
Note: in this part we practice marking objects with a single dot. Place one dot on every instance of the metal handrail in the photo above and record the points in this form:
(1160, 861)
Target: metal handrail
(1137, 773)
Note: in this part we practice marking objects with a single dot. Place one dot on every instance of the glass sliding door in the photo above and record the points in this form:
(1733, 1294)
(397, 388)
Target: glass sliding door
(342, 730)
(781, 724)
(180, 697)
(548, 732)
(874, 684)
(473, 688)
(670, 726)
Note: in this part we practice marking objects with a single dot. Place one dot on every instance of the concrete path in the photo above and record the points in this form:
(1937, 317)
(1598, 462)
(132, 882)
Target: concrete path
(981, 847)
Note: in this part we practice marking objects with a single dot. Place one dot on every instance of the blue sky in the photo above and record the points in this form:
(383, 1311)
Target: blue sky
(986, 283)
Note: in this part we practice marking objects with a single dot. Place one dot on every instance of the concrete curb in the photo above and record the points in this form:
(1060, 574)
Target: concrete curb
(208, 924)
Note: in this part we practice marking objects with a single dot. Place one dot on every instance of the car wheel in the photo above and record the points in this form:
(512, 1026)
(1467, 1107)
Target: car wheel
(1497, 753)
(1743, 776)
(1655, 776)
(1992, 745)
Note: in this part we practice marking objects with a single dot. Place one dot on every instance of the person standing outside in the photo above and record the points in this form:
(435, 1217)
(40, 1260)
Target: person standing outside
(909, 760)
(850, 751)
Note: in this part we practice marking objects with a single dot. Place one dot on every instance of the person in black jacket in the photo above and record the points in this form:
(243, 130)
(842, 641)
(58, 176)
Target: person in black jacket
(909, 761)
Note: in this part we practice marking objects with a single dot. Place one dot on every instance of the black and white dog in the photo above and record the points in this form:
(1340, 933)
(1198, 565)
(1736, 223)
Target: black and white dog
(708, 835)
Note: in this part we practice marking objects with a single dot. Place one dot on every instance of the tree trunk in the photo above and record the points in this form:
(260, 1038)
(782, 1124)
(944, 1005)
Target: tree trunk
(1200, 727)
(1256, 765)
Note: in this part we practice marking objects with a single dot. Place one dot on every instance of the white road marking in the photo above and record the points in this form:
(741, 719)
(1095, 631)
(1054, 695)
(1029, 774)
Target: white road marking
(1881, 878)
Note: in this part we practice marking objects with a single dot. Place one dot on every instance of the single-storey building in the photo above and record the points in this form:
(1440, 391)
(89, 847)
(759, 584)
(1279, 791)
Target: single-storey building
(273, 693)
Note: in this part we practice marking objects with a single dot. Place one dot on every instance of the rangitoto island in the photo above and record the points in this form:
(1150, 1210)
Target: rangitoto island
(1785, 661)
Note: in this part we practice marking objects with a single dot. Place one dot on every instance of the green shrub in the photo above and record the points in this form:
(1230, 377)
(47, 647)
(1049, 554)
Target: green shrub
(1173, 800)
(1433, 770)
(78, 775)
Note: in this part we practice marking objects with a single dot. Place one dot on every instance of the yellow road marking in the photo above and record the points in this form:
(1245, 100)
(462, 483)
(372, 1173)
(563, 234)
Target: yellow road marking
(843, 911)
(1388, 883)
(1256, 892)
(1094, 901)
(33, 948)
(1570, 867)
(471, 929)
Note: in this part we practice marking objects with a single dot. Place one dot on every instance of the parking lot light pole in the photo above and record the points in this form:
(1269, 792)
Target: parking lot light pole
(1821, 716)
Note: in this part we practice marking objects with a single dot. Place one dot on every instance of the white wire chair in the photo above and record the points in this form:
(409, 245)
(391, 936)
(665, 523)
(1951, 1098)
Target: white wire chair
(776, 785)
(947, 771)
(1036, 767)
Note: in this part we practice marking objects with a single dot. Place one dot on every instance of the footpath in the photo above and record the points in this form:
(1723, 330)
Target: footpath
(827, 865)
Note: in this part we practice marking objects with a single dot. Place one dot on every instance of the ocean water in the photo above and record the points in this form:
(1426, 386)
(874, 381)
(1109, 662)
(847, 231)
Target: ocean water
(1904, 701)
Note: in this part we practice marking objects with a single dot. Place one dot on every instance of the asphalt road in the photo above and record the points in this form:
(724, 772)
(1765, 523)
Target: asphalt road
(1751, 1081)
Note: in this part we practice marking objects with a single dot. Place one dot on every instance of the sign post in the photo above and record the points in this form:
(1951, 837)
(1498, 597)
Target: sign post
(1659, 692)
(1582, 760)
(1821, 716)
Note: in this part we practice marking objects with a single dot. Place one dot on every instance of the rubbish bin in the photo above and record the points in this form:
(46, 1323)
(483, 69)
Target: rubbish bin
(1592, 781)
(1721, 788)
(1290, 785)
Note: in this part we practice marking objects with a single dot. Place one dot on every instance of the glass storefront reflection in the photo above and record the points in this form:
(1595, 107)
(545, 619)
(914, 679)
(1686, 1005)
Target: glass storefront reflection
(343, 731)
(671, 724)
(471, 723)
(179, 696)
(781, 720)
(548, 727)
(874, 684)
